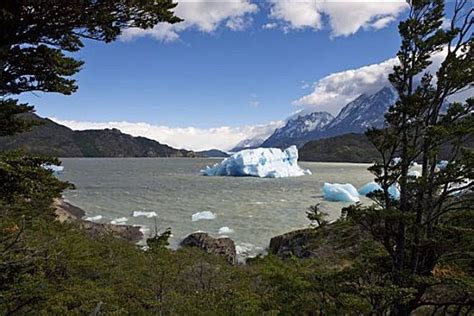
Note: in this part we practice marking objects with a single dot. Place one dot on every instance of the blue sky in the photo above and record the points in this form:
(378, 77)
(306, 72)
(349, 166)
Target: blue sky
(254, 63)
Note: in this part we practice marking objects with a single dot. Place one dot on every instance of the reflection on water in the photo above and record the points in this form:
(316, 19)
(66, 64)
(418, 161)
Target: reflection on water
(254, 209)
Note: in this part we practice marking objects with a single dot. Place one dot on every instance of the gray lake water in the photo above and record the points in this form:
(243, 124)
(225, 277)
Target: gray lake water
(255, 208)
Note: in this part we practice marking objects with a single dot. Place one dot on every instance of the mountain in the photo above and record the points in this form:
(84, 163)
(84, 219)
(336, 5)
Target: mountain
(355, 117)
(213, 153)
(57, 140)
(297, 129)
(364, 112)
(355, 147)
(248, 143)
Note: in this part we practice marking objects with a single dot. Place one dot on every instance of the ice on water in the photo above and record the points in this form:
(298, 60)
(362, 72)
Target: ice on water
(259, 162)
(206, 215)
(145, 214)
(374, 186)
(340, 192)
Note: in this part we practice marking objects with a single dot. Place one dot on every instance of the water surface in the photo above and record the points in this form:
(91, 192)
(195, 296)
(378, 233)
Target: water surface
(255, 208)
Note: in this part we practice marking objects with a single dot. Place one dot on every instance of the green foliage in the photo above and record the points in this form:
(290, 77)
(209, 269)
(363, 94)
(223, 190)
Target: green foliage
(418, 231)
(315, 215)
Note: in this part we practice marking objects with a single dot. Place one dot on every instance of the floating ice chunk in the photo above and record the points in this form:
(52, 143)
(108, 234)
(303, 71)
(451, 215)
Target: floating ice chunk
(54, 168)
(396, 161)
(374, 186)
(207, 215)
(259, 162)
(394, 192)
(225, 230)
(414, 173)
(119, 221)
(146, 214)
(340, 192)
(442, 164)
(369, 188)
(93, 218)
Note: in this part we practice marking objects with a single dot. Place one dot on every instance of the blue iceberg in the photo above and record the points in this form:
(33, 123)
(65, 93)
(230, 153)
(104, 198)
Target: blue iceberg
(259, 162)
(374, 186)
(340, 192)
(442, 164)
(369, 188)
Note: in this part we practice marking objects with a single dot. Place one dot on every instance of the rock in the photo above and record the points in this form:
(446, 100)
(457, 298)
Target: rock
(224, 247)
(66, 212)
(335, 243)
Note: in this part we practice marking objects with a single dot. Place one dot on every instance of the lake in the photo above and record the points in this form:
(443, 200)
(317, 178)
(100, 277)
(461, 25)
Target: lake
(255, 209)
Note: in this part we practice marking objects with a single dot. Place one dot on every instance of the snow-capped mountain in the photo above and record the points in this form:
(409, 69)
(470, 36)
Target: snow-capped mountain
(296, 129)
(364, 112)
(248, 143)
(356, 117)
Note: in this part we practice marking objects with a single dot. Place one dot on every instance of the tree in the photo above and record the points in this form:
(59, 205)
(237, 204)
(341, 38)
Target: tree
(37, 37)
(418, 230)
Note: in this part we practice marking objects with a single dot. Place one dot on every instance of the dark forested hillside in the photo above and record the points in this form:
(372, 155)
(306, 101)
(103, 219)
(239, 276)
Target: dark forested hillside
(343, 148)
(57, 140)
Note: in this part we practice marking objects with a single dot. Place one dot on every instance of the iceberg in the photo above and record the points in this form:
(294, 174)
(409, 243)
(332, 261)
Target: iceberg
(442, 164)
(53, 168)
(414, 173)
(225, 230)
(259, 162)
(93, 218)
(119, 221)
(146, 214)
(369, 188)
(207, 215)
(374, 186)
(340, 192)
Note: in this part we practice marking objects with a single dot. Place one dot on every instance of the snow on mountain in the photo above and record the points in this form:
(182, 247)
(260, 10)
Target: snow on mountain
(362, 113)
(356, 117)
(249, 143)
(297, 128)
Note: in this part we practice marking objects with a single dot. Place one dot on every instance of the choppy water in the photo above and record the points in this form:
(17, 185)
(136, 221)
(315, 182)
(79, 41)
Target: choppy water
(256, 209)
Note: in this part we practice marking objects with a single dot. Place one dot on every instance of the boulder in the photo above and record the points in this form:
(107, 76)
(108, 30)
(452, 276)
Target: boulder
(224, 247)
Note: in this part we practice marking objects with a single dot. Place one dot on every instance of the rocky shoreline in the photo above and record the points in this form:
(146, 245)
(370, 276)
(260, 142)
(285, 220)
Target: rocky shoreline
(335, 242)
(68, 213)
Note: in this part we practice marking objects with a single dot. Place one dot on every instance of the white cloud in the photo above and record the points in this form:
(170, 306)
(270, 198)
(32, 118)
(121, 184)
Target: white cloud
(269, 26)
(193, 138)
(204, 15)
(334, 91)
(345, 17)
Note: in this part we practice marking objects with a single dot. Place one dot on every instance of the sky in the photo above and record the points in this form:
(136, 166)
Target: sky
(232, 70)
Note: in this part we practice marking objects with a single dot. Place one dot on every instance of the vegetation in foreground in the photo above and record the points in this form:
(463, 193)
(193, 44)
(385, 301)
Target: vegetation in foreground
(414, 254)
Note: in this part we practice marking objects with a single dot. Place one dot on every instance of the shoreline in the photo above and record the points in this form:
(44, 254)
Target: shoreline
(66, 212)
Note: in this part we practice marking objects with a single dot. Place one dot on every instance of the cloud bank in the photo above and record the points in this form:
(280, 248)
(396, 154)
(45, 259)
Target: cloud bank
(192, 138)
(203, 15)
(332, 92)
(344, 18)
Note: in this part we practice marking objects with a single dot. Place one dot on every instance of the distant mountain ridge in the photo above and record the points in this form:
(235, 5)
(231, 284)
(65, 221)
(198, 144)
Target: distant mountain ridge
(54, 139)
(355, 117)
(297, 129)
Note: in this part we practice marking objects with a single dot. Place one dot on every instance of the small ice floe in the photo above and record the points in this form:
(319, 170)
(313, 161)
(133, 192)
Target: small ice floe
(204, 215)
(144, 230)
(93, 218)
(442, 164)
(340, 192)
(414, 173)
(396, 161)
(369, 188)
(374, 186)
(53, 168)
(145, 214)
(225, 230)
(119, 221)
(259, 162)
